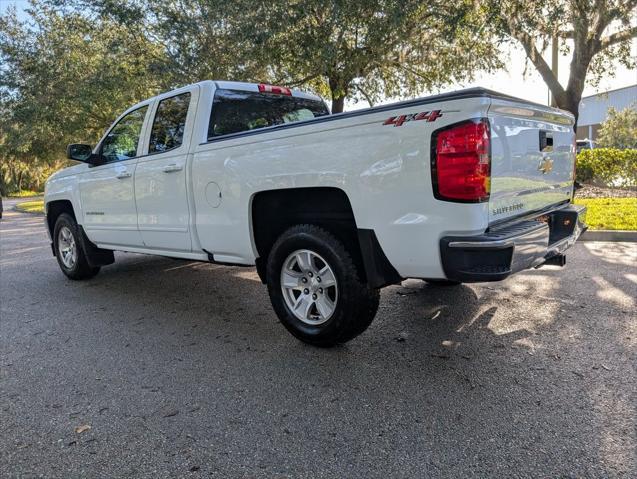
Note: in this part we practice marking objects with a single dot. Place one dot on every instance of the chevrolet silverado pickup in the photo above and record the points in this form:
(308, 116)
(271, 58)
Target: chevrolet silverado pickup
(469, 186)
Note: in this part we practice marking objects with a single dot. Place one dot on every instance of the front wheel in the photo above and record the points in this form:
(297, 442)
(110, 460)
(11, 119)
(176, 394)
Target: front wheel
(68, 249)
(316, 289)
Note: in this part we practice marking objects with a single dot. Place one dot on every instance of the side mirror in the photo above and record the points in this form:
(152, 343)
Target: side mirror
(80, 152)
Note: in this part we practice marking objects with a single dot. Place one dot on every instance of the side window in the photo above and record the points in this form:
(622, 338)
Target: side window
(234, 111)
(121, 142)
(170, 120)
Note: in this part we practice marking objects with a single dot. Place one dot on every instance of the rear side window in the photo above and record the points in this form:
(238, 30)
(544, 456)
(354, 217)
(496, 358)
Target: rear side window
(170, 120)
(234, 111)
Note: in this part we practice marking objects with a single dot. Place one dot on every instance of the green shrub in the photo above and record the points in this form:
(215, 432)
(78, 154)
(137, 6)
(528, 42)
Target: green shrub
(607, 167)
(620, 128)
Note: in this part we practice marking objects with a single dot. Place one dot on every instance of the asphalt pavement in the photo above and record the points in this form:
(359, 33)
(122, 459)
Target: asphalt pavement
(166, 368)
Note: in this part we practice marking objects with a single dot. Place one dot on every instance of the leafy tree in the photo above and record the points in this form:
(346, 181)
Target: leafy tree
(619, 130)
(596, 33)
(361, 49)
(340, 48)
(65, 78)
(198, 38)
(201, 39)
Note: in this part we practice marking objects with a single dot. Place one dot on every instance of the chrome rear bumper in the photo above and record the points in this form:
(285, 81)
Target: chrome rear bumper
(508, 249)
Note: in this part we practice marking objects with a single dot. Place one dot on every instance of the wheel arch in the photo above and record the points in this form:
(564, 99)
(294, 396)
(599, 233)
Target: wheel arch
(54, 209)
(274, 211)
(95, 256)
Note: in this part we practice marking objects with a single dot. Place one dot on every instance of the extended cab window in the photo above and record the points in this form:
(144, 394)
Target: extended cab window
(121, 142)
(170, 120)
(234, 111)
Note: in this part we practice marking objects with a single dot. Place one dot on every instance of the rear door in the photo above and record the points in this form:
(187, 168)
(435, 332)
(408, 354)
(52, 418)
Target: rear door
(532, 158)
(163, 214)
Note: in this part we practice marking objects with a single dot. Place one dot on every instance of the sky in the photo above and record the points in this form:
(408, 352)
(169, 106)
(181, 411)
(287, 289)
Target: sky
(532, 87)
(511, 81)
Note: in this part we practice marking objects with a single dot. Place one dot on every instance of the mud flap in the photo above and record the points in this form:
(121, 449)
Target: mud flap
(378, 269)
(95, 256)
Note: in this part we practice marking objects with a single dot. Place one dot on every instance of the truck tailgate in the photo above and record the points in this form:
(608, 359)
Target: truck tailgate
(532, 158)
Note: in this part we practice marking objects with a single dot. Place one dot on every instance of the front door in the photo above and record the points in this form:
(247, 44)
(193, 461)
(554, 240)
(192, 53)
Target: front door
(163, 214)
(107, 190)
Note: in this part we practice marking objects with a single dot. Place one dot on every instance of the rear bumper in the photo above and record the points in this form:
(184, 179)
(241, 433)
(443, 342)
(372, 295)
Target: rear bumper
(501, 252)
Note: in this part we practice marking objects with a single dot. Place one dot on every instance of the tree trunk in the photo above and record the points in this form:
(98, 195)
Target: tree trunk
(565, 98)
(571, 103)
(568, 99)
(582, 56)
(339, 89)
(338, 104)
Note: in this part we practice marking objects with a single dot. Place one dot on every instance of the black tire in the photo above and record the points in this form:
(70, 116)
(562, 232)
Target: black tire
(442, 282)
(356, 304)
(80, 269)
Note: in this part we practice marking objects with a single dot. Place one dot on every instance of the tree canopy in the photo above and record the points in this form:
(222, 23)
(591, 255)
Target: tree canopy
(64, 79)
(595, 33)
(340, 48)
(360, 49)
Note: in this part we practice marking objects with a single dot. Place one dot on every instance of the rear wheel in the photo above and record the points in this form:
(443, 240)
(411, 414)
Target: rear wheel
(68, 249)
(316, 289)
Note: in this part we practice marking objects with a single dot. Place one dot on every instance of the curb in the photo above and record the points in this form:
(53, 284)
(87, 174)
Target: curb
(26, 199)
(35, 213)
(609, 235)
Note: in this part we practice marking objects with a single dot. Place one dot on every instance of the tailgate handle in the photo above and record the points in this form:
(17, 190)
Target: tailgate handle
(546, 141)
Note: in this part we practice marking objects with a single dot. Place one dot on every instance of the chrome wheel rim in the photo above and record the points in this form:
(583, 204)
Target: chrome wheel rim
(67, 247)
(309, 287)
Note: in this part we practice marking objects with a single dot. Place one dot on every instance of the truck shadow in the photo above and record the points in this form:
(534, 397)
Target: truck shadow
(227, 307)
(440, 321)
(215, 294)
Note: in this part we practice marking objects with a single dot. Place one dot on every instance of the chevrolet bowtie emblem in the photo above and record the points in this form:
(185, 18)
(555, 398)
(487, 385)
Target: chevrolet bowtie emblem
(546, 165)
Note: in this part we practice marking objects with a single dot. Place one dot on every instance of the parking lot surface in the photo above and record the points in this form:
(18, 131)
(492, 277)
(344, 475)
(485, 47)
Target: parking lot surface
(181, 369)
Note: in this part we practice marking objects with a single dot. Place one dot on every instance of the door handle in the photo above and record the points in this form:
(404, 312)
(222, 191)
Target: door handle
(124, 174)
(172, 168)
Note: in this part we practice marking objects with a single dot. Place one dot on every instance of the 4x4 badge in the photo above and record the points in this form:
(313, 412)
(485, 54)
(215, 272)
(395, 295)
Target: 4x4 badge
(423, 115)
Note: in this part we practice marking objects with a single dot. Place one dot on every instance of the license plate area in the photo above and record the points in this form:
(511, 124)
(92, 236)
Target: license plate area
(561, 224)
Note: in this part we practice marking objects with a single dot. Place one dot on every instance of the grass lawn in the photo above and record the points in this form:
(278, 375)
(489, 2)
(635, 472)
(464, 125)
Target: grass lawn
(610, 213)
(31, 206)
(25, 194)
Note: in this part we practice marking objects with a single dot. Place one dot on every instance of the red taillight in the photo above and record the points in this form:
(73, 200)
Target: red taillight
(278, 90)
(461, 162)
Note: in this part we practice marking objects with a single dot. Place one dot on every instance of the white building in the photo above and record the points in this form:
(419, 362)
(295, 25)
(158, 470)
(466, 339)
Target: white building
(593, 109)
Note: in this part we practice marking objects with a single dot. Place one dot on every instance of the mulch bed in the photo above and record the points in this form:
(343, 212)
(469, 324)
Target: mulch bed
(590, 191)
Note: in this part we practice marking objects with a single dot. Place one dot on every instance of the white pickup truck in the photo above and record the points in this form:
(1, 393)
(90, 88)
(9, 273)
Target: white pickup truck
(468, 186)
